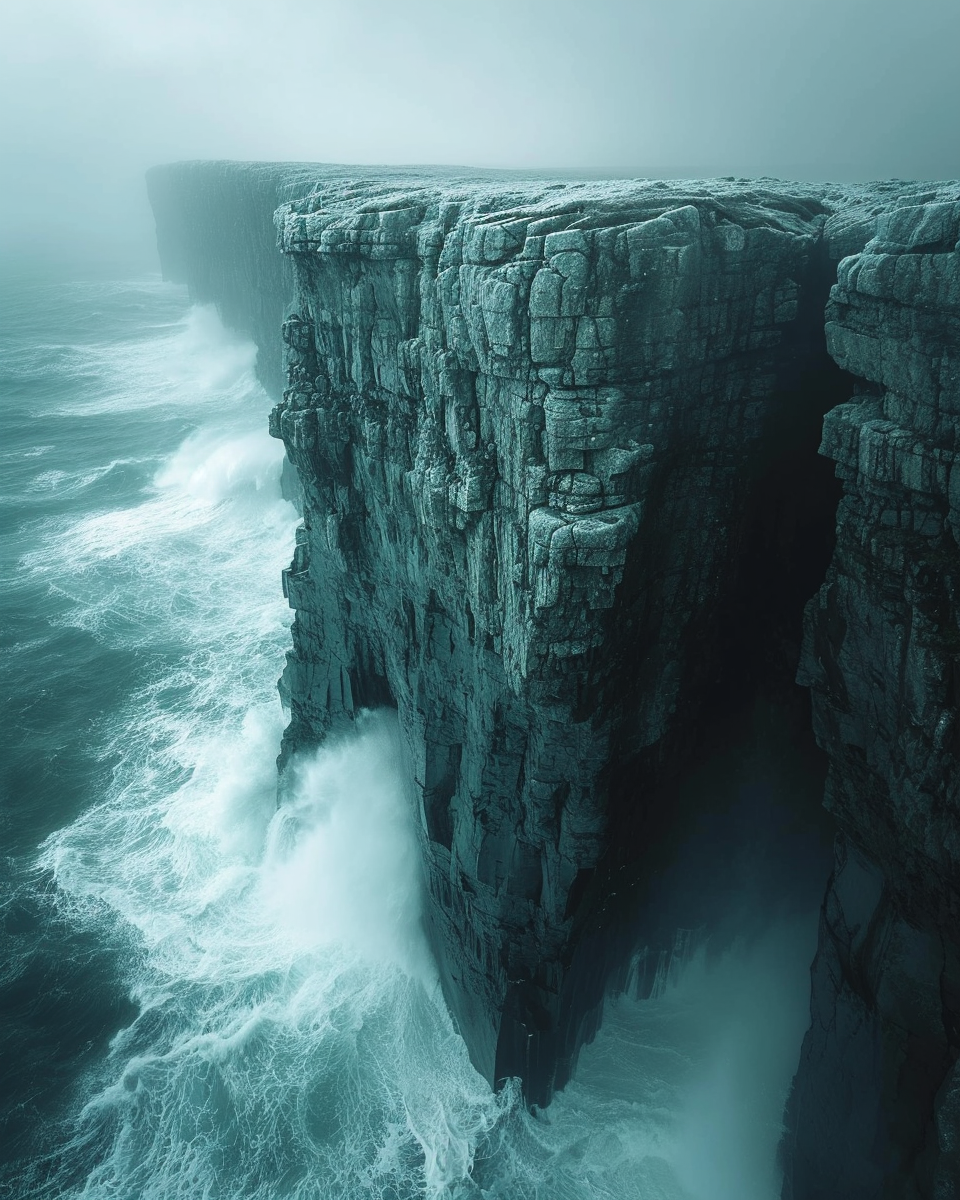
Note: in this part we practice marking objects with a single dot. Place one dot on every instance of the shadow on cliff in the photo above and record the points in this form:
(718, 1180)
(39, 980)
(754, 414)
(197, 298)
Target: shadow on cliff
(719, 828)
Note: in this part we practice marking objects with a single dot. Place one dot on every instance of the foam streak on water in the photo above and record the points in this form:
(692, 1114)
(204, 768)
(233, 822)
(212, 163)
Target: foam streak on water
(290, 1040)
(290, 1035)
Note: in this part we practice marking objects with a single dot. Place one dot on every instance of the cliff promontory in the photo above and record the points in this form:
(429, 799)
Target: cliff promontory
(557, 448)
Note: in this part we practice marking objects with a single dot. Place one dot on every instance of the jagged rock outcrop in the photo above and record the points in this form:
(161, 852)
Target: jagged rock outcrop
(876, 1105)
(526, 426)
(215, 232)
(553, 446)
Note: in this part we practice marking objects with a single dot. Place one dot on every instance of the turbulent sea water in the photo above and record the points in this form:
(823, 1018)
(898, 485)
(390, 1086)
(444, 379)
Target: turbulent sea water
(205, 996)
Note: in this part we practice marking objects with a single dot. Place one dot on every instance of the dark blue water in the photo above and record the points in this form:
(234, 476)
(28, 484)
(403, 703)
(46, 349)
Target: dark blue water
(201, 996)
(64, 991)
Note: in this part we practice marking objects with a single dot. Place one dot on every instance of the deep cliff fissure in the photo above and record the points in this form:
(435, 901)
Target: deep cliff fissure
(563, 508)
(744, 718)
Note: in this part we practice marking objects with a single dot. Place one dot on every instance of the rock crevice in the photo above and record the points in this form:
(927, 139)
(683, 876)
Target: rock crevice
(881, 659)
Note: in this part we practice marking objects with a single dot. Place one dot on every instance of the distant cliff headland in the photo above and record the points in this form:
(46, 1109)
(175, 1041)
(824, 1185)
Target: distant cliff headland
(557, 445)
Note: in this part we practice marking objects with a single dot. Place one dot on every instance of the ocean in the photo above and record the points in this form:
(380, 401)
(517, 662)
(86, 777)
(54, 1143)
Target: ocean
(204, 995)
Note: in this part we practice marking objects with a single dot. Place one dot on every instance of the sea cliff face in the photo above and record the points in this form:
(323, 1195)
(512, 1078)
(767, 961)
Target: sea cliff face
(556, 445)
(876, 1106)
(215, 233)
(525, 426)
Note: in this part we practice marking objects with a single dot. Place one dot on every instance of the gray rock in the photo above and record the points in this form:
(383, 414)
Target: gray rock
(881, 658)
(525, 416)
(528, 394)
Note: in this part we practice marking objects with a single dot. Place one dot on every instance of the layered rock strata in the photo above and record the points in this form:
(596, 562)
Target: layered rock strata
(539, 430)
(876, 1105)
(215, 233)
(526, 427)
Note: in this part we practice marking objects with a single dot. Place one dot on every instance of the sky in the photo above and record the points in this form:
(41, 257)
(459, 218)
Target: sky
(92, 92)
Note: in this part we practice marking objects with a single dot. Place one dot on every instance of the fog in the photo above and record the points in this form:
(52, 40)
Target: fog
(93, 92)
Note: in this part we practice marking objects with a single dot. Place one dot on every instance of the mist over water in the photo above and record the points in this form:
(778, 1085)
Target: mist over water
(286, 1038)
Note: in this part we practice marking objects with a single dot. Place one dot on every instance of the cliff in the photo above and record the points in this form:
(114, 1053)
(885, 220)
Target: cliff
(215, 233)
(562, 505)
(876, 1107)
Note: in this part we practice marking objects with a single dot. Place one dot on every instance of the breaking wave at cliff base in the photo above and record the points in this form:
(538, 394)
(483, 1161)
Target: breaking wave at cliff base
(290, 1040)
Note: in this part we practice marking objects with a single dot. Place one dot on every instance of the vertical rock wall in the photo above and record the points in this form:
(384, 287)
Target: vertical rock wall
(525, 426)
(215, 233)
(529, 420)
(876, 1105)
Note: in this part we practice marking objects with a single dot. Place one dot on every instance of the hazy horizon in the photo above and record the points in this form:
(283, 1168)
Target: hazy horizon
(95, 92)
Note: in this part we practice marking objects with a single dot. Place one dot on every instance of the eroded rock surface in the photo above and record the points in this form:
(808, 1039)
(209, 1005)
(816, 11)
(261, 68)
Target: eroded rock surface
(525, 426)
(535, 425)
(875, 1106)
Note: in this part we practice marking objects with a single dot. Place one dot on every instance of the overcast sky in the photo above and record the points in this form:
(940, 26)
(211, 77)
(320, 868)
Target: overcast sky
(92, 92)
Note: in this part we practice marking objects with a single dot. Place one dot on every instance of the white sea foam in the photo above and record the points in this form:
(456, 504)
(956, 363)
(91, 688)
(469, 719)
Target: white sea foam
(193, 363)
(344, 845)
(291, 1036)
(295, 1045)
(72, 482)
(291, 1041)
